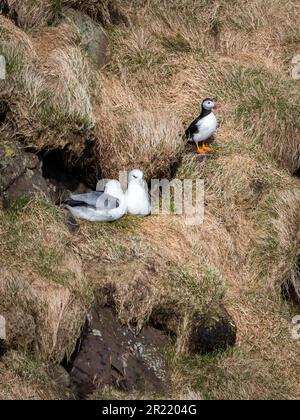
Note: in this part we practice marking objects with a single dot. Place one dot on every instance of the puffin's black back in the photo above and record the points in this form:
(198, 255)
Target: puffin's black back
(192, 129)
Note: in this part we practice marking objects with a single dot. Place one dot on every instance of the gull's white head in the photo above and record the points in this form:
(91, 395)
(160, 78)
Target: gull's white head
(208, 104)
(114, 188)
(136, 175)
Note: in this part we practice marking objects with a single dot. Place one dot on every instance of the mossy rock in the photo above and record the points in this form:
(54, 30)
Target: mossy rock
(13, 163)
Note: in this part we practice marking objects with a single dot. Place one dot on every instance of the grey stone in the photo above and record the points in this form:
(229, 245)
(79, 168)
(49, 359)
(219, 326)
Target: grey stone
(94, 37)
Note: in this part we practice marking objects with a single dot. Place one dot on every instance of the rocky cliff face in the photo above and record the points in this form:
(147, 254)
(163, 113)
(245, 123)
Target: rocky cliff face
(20, 174)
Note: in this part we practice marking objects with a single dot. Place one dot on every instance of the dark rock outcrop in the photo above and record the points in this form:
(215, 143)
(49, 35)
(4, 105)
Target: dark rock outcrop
(110, 354)
(20, 173)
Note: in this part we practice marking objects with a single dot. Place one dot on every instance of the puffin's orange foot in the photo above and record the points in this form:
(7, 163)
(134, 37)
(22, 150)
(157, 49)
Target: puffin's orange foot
(201, 151)
(207, 148)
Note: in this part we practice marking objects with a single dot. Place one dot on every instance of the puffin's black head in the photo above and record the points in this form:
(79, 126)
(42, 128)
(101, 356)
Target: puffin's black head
(208, 104)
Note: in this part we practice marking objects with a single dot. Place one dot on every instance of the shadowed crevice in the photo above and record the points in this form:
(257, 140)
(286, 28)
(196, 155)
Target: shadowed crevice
(67, 174)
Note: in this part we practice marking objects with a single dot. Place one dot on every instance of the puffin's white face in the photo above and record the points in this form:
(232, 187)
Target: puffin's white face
(208, 104)
(136, 175)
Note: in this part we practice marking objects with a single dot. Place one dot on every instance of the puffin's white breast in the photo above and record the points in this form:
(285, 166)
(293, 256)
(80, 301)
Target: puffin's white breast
(206, 128)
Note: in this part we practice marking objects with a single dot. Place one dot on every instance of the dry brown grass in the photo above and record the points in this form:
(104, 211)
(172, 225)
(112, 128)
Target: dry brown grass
(35, 14)
(25, 379)
(248, 246)
(31, 13)
(262, 29)
(170, 57)
(56, 100)
(257, 205)
(48, 94)
(103, 11)
(44, 293)
(134, 132)
(57, 83)
(133, 259)
(279, 238)
(144, 272)
(233, 252)
(252, 101)
(191, 271)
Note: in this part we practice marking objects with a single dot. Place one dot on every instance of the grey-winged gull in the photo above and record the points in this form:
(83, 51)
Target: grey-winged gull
(106, 206)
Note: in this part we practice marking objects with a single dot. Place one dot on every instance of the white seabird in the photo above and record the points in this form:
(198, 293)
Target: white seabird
(106, 206)
(137, 197)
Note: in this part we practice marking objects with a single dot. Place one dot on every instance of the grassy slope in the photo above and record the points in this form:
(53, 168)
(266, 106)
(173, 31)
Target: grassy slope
(250, 238)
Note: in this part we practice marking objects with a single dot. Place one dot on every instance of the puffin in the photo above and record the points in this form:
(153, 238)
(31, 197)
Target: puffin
(137, 197)
(202, 128)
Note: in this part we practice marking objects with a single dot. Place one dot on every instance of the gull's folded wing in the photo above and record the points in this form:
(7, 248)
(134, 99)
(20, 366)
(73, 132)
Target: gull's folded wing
(98, 200)
(88, 198)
